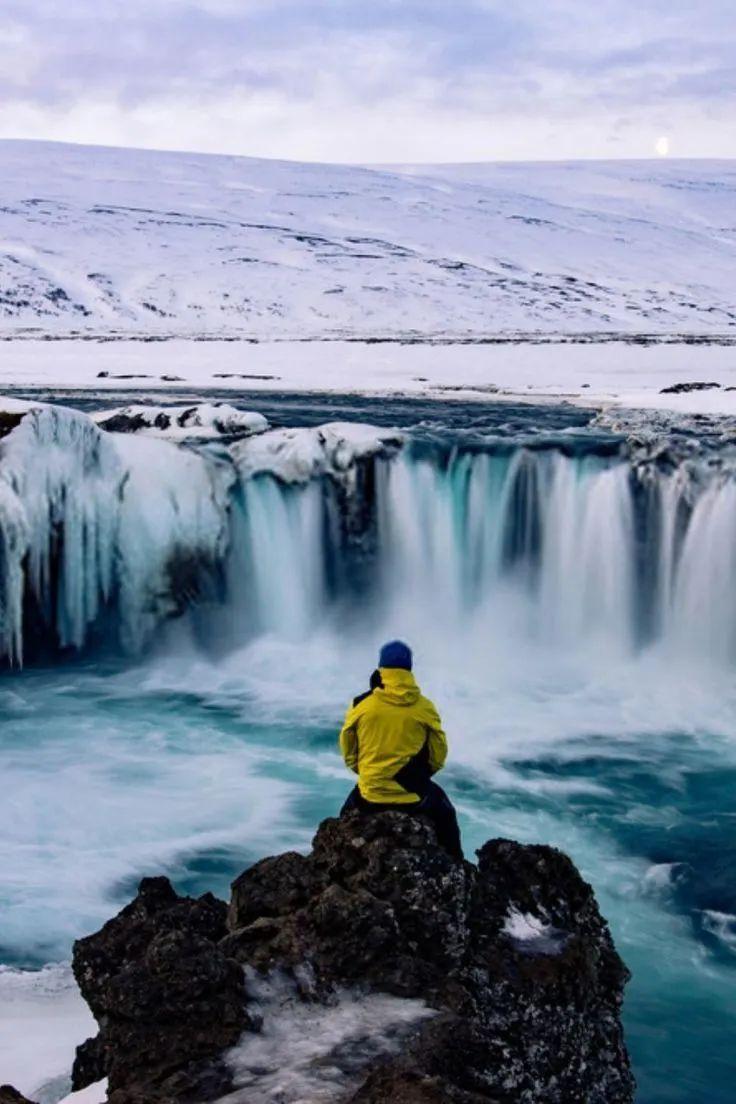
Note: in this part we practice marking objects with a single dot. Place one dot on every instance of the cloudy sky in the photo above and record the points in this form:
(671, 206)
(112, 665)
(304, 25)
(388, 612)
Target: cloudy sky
(375, 80)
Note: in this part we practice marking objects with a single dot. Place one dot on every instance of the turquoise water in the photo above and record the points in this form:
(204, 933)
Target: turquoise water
(197, 769)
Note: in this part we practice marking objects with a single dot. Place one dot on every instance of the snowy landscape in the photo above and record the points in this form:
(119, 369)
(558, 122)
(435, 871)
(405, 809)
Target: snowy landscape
(138, 242)
(256, 417)
(602, 281)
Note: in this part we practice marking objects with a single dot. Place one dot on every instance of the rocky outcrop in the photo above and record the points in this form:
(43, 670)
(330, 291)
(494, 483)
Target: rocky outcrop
(686, 388)
(198, 420)
(511, 961)
(9, 1095)
(167, 1000)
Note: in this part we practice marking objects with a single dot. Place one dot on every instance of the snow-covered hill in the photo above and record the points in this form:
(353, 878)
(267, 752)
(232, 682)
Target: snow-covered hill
(105, 240)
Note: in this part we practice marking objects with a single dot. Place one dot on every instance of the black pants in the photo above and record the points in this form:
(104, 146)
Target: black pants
(435, 804)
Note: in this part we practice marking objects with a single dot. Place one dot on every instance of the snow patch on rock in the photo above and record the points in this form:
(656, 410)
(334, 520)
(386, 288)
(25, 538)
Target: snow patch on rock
(298, 455)
(93, 1094)
(524, 926)
(203, 420)
(532, 934)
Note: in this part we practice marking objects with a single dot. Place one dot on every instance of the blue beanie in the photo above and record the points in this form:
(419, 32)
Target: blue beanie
(395, 654)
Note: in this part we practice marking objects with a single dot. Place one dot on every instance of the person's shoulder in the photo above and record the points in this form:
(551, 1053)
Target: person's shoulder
(361, 698)
(428, 706)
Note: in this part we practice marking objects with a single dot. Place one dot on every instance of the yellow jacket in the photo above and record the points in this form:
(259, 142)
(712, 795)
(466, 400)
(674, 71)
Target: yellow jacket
(387, 728)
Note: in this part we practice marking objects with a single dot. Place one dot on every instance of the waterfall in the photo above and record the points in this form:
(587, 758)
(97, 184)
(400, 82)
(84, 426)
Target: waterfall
(552, 533)
(277, 564)
(563, 548)
(566, 551)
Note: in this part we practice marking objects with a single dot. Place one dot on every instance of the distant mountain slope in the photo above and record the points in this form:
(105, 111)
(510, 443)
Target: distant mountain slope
(108, 240)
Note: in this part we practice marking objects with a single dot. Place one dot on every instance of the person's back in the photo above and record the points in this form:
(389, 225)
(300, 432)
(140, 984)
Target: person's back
(393, 739)
(387, 730)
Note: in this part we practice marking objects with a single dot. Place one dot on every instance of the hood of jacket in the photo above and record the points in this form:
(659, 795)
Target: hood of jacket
(399, 686)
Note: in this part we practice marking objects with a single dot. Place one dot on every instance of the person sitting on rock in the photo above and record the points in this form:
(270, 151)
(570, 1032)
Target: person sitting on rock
(392, 738)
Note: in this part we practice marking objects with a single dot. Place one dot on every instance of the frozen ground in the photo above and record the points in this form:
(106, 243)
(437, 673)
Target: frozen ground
(589, 373)
(168, 268)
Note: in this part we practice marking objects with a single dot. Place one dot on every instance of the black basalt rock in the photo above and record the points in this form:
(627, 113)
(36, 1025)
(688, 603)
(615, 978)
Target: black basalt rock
(167, 999)
(521, 983)
(377, 902)
(513, 953)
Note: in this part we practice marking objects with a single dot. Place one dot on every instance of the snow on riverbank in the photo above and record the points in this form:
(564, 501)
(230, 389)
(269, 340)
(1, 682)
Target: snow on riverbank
(589, 374)
(43, 1018)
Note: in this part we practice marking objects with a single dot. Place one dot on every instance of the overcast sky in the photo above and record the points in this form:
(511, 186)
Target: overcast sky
(375, 80)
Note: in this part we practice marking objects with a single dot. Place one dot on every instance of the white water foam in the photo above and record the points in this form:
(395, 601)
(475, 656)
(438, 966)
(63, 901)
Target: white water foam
(310, 1053)
(722, 925)
(109, 791)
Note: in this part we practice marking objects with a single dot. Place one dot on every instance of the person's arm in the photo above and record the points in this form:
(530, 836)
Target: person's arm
(349, 740)
(436, 741)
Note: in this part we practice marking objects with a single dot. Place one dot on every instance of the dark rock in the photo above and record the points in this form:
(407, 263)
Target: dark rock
(683, 388)
(90, 1063)
(512, 956)
(9, 1095)
(271, 887)
(167, 999)
(9, 421)
(377, 902)
(406, 1084)
(514, 951)
(127, 423)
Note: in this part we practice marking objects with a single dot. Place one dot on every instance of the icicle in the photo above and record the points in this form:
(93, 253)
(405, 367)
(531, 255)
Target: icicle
(90, 519)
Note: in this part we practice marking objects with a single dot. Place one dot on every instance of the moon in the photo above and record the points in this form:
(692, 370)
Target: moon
(662, 146)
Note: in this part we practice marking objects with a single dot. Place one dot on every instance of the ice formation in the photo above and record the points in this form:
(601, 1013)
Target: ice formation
(121, 530)
(90, 519)
(298, 455)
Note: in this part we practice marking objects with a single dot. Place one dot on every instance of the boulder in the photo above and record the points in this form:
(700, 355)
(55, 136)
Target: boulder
(510, 960)
(513, 950)
(167, 1000)
(377, 902)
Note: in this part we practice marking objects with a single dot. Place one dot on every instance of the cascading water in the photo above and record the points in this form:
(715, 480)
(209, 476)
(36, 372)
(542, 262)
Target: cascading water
(535, 538)
(277, 558)
(572, 607)
(566, 550)
(564, 546)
